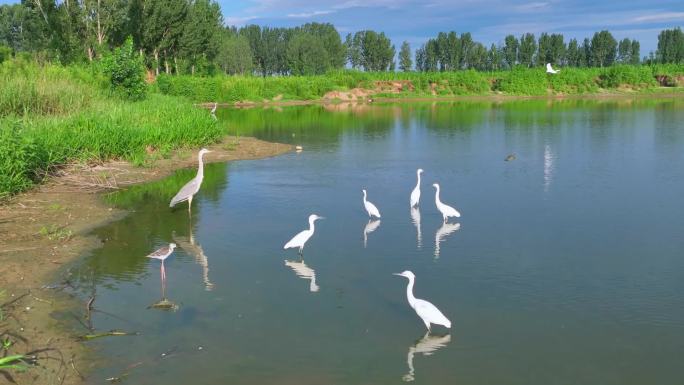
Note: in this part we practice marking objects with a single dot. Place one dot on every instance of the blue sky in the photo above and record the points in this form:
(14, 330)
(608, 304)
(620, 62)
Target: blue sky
(488, 20)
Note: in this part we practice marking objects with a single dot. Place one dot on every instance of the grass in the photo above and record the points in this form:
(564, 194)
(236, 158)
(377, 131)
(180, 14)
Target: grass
(52, 115)
(520, 81)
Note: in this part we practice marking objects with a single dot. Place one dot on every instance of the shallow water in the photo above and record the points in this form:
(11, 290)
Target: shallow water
(566, 268)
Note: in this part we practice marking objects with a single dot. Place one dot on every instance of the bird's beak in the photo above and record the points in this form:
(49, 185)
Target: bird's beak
(399, 274)
(321, 217)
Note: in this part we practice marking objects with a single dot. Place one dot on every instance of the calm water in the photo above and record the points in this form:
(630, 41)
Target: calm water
(567, 267)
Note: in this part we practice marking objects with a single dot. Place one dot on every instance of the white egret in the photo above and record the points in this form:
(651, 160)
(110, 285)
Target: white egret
(371, 226)
(161, 254)
(425, 310)
(415, 218)
(427, 345)
(446, 210)
(300, 239)
(213, 109)
(370, 208)
(415, 194)
(550, 70)
(442, 233)
(305, 272)
(191, 188)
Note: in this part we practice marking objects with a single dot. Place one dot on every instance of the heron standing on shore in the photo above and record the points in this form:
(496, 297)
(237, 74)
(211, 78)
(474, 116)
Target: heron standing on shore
(191, 188)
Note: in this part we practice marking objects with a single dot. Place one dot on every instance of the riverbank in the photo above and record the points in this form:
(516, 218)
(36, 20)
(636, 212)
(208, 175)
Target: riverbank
(355, 86)
(47, 227)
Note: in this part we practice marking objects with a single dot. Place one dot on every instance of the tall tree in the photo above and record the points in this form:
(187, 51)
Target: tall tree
(405, 57)
(635, 52)
(670, 46)
(510, 50)
(624, 51)
(528, 47)
(307, 55)
(234, 55)
(202, 24)
(603, 48)
(573, 55)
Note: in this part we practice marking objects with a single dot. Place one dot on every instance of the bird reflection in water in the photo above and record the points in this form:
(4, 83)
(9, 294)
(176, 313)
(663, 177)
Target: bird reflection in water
(371, 226)
(427, 345)
(415, 218)
(190, 246)
(305, 272)
(442, 233)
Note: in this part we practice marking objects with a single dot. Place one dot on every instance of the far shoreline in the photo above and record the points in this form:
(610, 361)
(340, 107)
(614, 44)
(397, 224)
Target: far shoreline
(666, 93)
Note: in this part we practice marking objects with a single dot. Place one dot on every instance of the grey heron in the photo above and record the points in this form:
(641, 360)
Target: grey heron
(191, 188)
(446, 210)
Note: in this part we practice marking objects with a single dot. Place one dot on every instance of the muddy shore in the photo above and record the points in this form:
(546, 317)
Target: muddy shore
(45, 228)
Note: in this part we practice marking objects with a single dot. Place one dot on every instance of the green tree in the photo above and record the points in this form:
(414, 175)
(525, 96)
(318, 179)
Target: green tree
(330, 38)
(198, 42)
(234, 55)
(573, 55)
(624, 51)
(405, 57)
(307, 56)
(603, 49)
(635, 52)
(670, 46)
(164, 22)
(528, 47)
(510, 50)
(495, 58)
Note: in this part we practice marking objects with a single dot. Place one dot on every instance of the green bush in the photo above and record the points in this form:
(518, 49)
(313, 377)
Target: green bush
(18, 159)
(626, 75)
(126, 71)
(5, 53)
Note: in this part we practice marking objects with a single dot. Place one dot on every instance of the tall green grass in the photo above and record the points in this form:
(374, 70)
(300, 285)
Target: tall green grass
(56, 115)
(520, 81)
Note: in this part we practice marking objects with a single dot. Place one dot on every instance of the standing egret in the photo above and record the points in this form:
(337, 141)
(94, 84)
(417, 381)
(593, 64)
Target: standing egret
(300, 239)
(191, 188)
(213, 109)
(370, 208)
(446, 210)
(161, 254)
(425, 310)
(415, 194)
(550, 70)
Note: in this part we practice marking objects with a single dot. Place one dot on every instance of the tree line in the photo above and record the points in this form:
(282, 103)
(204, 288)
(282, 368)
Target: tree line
(189, 37)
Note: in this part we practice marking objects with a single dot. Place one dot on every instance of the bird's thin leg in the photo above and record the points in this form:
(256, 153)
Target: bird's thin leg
(190, 205)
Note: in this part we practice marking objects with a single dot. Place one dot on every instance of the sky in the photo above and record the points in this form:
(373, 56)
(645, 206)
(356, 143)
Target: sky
(488, 20)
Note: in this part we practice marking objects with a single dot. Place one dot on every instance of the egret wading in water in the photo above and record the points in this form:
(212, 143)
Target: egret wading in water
(370, 208)
(161, 254)
(213, 109)
(191, 188)
(446, 210)
(425, 310)
(300, 239)
(415, 194)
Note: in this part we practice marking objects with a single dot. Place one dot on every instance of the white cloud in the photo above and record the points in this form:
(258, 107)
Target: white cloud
(305, 15)
(660, 17)
(529, 7)
(238, 21)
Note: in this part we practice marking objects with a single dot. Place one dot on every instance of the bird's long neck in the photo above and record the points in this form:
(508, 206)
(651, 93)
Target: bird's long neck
(409, 292)
(364, 197)
(200, 169)
(418, 184)
(311, 224)
(437, 196)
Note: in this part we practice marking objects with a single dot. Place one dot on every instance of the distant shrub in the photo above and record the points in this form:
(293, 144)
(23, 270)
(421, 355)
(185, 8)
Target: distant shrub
(621, 75)
(5, 53)
(18, 159)
(126, 71)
